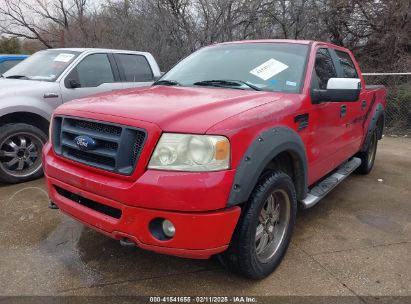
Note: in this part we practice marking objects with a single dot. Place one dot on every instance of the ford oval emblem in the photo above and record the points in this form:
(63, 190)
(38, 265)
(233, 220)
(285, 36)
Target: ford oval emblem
(85, 142)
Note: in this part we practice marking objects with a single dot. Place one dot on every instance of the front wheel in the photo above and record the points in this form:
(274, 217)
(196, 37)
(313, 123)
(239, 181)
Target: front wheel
(263, 233)
(20, 152)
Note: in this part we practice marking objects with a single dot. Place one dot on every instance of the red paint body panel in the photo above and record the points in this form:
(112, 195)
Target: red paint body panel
(175, 109)
(195, 232)
(154, 189)
(196, 202)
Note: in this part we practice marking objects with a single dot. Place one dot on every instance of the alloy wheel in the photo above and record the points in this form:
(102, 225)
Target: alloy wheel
(272, 225)
(20, 154)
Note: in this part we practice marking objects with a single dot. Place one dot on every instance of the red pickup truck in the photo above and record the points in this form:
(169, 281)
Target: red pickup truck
(216, 156)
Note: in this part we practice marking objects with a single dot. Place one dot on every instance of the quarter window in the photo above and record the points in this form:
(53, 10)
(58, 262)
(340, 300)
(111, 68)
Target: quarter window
(135, 67)
(347, 64)
(323, 70)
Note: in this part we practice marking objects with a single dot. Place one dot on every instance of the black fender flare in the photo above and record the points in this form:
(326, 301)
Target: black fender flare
(378, 113)
(259, 154)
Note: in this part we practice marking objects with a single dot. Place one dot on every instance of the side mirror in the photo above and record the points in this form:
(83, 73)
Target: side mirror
(339, 90)
(73, 84)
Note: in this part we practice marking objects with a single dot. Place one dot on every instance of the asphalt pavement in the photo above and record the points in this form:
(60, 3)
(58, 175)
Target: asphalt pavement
(355, 242)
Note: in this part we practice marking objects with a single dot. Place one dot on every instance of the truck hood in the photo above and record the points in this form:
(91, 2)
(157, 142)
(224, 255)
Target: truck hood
(173, 109)
(22, 87)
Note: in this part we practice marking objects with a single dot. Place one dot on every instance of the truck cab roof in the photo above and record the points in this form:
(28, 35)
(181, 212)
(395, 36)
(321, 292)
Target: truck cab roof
(271, 41)
(289, 41)
(97, 50)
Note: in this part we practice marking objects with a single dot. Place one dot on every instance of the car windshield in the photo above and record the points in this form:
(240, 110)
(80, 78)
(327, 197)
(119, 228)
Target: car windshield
(250, 66)
(44, 65)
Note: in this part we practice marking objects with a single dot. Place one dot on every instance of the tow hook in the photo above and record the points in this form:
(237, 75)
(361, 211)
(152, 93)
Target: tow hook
(125, 242)
(53, 205)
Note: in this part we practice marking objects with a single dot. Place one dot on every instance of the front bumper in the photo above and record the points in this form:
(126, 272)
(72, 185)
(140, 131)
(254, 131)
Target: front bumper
(199, 234)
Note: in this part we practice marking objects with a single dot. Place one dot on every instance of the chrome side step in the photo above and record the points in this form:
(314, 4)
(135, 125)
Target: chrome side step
(317, 192)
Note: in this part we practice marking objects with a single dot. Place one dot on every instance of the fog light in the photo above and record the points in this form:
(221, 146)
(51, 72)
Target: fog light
(168, 228)
(162, 229)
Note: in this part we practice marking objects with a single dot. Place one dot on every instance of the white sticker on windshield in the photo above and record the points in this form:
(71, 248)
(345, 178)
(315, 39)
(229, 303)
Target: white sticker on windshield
(269, 69)
(63, 57)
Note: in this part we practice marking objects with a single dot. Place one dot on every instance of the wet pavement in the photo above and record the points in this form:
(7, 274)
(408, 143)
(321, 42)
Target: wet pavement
(356, 241)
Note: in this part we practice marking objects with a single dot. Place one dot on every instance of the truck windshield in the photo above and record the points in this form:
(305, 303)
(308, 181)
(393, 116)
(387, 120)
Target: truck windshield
(44, 65)
(249, 66)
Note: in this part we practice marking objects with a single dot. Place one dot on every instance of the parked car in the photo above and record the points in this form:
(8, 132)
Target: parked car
(7, 61)
(217, 155)
(30, 92)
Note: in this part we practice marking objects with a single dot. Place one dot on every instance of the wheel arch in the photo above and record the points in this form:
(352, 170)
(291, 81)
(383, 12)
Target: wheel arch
(29, 118)
(381, 125)
(270, 147)
(377, 121)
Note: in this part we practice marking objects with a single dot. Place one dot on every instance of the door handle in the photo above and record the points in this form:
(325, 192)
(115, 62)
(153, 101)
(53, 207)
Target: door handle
(50, 95)
(343, 110)
(363, 105)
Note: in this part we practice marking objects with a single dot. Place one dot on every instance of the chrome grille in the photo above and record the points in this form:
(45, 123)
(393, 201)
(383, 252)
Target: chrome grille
(117, 148)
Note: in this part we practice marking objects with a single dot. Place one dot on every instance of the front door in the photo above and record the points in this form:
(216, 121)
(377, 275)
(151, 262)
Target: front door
(94, 74)
(327, 120)
(355, 110)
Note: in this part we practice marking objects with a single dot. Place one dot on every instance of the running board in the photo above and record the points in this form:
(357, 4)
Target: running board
(326, 185)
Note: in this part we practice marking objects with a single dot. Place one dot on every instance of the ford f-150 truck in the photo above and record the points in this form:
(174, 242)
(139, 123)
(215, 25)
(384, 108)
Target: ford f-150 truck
(30, 91)
(216, 156)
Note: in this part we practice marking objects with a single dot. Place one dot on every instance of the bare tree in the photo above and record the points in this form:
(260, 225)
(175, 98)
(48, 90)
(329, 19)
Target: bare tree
(43, 20)
(378, 31)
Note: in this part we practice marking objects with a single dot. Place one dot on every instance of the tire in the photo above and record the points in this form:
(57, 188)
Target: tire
(247, 254)
(20, 152)
(368, 156)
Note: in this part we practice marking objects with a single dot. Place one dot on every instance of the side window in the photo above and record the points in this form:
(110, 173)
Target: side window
(7, 65)
(135, 67)
(324, 69)
(347, 64)
(92, 71)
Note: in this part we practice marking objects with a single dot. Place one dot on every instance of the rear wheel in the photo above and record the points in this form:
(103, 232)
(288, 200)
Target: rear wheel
(264, 230)
(20, 152)
(368, 156)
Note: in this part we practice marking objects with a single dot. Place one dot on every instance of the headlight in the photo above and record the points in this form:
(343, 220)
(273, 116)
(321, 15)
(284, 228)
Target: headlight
(187, 152)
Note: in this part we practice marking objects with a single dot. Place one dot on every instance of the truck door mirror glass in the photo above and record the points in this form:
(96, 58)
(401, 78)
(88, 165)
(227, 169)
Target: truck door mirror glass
(73, 84)
(339, 90)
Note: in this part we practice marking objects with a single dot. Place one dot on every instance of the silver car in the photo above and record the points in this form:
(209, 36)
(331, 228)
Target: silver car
(30, 91)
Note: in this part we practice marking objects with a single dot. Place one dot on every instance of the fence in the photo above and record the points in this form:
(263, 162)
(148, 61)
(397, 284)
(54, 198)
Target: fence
(398, 114)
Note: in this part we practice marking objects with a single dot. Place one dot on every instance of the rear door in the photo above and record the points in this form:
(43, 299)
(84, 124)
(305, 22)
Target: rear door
(95, 73)
(134, 69)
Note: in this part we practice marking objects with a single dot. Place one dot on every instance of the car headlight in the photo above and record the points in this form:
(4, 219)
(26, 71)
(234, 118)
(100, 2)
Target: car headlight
(189, 152)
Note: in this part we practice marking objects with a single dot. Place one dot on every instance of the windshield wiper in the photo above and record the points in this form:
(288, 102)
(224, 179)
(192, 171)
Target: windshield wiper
(17, 77)
(167, 82)
(236, 84)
